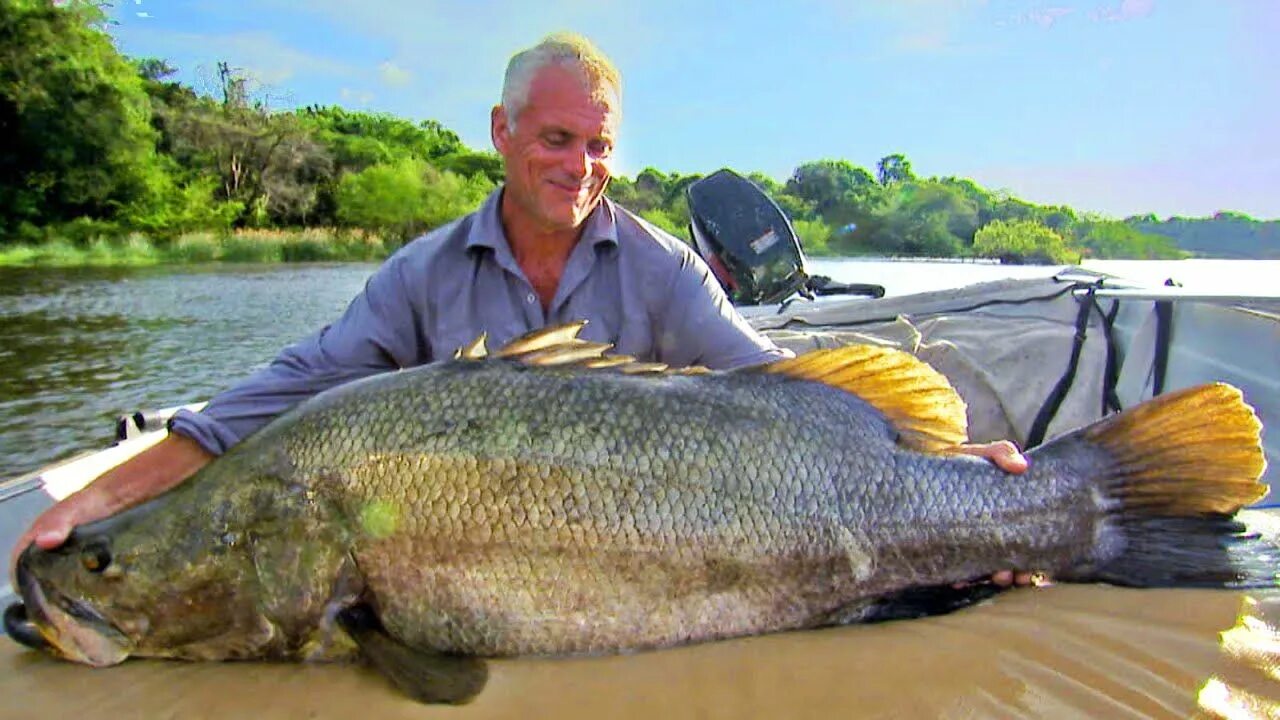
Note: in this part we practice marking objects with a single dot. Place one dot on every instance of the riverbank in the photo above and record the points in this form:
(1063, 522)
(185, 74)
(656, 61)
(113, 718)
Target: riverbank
(240, 246)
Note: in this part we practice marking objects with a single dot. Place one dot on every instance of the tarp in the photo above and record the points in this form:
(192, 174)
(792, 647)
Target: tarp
(1003, 345)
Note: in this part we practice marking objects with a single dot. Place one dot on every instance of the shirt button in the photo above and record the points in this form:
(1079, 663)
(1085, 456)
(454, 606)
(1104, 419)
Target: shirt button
(531, 299)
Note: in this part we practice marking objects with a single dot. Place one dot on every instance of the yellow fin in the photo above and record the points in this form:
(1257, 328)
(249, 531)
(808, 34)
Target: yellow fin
(473, 350)
(1196, 450)
(568, 353)
(927, 412)
(639, 368)
(560, 346)
(542, 339)
(608, 361)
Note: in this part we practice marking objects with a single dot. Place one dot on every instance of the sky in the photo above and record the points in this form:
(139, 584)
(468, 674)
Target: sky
(1116, 107)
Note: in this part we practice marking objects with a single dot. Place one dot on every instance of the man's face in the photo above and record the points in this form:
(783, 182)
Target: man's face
(559, 157)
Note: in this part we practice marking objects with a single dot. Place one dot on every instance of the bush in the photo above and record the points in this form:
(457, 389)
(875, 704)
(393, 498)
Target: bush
(195, 247)
(1022, 241)
(814, 236)
(256, 246)
(406, 198)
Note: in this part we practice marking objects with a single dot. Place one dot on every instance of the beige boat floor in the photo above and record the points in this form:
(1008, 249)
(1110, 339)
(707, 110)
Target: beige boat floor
(1064, 651)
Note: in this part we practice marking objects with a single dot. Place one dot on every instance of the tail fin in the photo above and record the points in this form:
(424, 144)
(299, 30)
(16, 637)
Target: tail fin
(1181, 466)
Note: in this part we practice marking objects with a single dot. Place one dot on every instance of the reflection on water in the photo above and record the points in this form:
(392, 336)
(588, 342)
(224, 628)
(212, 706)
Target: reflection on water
(1251, 652)
(78, 347)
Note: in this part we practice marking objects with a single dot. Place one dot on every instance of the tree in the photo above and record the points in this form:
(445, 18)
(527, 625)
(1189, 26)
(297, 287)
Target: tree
(1103, 238)
(829, 185)
(407, 197)
(73, 114)
(894, 168)
(1022, 241)
(267, 162)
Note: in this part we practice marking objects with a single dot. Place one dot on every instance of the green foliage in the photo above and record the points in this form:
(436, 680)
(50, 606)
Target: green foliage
(360, 139)
(814, 236)
(311, 244)
(894, 169)
(1023, 241)
(106, 160)
(1114, 239)
(833, 188)
(407, 197)
(76, 118)
(1225, 235)
(663, 220)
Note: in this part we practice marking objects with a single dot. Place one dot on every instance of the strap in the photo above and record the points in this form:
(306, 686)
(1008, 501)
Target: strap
(1059, 392)
(1111, 376)
(1164, 338)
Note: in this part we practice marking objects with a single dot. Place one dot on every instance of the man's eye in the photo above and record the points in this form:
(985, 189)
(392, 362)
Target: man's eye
(555, 139)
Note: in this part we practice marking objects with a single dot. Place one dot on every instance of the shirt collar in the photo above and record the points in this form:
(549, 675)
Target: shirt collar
(601, 227)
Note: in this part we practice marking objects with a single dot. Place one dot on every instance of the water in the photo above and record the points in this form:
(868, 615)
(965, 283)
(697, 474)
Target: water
(79, 347)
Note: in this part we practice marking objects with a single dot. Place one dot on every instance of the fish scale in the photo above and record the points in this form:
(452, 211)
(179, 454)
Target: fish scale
(739, 501)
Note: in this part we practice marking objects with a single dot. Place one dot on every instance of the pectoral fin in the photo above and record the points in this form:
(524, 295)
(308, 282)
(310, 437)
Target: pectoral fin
(914, 603)
(426, 676)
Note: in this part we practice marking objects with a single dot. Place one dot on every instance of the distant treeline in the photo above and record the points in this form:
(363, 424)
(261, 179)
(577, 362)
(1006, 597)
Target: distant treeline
(103, 153)
(1225, 235)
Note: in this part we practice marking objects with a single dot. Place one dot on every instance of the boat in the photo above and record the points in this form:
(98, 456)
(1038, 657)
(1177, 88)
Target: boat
(1032, 358)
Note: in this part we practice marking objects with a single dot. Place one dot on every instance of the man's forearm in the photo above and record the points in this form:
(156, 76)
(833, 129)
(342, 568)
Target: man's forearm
(151, 471)
(138, 479)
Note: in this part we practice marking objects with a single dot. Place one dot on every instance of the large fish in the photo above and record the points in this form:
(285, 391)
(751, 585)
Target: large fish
(550, 500)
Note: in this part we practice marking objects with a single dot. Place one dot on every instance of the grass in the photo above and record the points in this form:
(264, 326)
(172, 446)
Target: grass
(253, 246)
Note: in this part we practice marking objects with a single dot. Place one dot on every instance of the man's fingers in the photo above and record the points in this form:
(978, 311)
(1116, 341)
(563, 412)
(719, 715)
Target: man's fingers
(53, 534)
(1004, 578)
(1007, 457)
(1003, 453)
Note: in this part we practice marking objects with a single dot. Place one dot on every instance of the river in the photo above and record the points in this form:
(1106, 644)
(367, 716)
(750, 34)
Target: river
(79, 347)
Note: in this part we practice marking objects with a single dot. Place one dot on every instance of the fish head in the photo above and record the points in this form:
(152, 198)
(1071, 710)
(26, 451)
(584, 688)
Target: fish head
(129, 586)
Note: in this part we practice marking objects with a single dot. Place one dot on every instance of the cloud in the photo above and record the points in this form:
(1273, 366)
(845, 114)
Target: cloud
(394, 75)
(357, 96)
(1045, 17)
(1126, 10)
(932, 40)
(260, 55)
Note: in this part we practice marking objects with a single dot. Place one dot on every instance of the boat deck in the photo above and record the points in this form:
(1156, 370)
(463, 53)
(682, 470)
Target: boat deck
(1064, 651)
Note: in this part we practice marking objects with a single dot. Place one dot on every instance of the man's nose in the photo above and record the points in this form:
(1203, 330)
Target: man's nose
(577, 162)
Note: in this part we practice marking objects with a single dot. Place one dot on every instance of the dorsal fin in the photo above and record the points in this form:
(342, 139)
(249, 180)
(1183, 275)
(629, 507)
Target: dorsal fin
(474, 350)
(542, 339)
(915, 398)
(560, 345)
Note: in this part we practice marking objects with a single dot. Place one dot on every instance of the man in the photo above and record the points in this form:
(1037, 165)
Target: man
(546, 248)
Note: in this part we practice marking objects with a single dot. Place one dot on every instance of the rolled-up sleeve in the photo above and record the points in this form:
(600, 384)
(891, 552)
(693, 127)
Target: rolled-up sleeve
(378, 332)
(701, 327)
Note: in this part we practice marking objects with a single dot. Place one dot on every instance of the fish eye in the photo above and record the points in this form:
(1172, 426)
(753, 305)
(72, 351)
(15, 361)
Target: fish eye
(95, 558)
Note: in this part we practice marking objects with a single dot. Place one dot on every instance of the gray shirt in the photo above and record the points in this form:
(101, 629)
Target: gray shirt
(639, 288)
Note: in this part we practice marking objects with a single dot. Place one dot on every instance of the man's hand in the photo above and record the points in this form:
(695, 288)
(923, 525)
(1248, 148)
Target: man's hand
(1008, 458)
(1003, 453)
(139, 478)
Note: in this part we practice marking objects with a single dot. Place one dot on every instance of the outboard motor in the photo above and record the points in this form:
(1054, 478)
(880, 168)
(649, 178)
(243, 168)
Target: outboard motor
(750, 245)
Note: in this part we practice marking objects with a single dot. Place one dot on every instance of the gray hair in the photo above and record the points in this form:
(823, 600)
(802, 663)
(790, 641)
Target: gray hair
(568, 50)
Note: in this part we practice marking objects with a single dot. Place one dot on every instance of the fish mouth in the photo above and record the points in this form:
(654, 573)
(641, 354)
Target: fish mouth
(64, 626)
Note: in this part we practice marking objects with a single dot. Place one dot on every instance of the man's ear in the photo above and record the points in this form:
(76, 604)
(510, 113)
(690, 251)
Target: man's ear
(499, 131)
